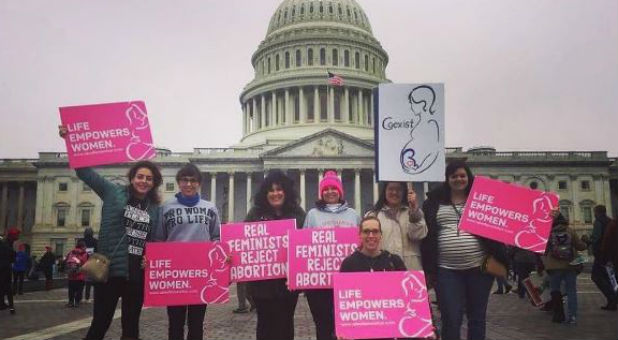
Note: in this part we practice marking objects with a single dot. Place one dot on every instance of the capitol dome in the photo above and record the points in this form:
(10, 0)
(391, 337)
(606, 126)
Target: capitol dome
(290, 96)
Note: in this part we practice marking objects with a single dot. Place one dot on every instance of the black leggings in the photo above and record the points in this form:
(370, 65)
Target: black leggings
(193, 315)
(106, 297)
(275, 317)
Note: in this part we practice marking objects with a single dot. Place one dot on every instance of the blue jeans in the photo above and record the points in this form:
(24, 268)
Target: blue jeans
(569, 277)
(460, 291)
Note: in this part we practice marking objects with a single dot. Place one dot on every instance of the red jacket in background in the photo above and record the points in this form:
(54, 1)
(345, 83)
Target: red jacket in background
(82, 256)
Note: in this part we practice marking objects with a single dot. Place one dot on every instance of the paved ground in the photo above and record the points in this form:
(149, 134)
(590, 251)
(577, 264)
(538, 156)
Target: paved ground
(42, 315)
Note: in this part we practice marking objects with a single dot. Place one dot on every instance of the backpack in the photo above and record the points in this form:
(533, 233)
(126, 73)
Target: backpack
(73, 264)
(561, 246)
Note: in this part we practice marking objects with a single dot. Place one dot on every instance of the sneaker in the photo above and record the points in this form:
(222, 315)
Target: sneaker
(241, 310)
(571, 320)
(498, 292)
(12, 310)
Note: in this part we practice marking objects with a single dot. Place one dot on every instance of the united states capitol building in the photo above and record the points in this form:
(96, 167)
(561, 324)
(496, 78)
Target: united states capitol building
(293, 120)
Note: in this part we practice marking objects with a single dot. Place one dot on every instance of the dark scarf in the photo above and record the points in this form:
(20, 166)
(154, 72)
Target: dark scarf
(188, 201)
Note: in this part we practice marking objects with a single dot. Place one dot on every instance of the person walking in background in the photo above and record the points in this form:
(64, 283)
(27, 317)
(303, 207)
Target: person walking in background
(275, 200)
(331, 210)
(74, 260)
(91, 247)
(561, 249)
(402, 223)
(599, 273)
(7, 257)
(19, 270)
(524, 262)
(452, 258)
(47, 267)
(609, 251)
(200, 223)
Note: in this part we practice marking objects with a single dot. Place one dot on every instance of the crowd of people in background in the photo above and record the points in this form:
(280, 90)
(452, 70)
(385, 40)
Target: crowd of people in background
(395, 234)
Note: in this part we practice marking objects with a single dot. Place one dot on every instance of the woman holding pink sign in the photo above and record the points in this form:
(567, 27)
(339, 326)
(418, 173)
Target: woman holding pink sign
(452, 258)
(275, 200)
(128, 215)
(330, 211)
(188, 218)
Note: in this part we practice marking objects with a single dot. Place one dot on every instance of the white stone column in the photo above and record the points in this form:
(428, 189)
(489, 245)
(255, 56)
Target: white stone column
(249, 193)
(607, 197)
(245, 119)
(20, 207)
(289, 118)
(575, 198)
(331, 104)
(230, 202)
(256, 118)
(376, 188)
(320, 175)
(302, 189)
(273, 109)
(598, 189)
(213, 187)
(316, 105)
(263, 112)
(38, 212)
(3, 206)
(75, 188)
(345, 115)
(371, 110)
(302, 105)
(361, 114)
(357, 191)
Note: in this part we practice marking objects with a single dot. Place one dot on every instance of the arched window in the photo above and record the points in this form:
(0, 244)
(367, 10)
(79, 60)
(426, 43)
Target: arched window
(287, 59)
(298, 60)
(586, 210)
(565, 209)
(311, 8)
(335, 57)
(357, 60)
(310, 56)
(62, 211)
(263, 66)
(366, 63)
(277, 62)
(321, 8)
(268, 65)
(322, 56)
(373, 64)
(302, 10)
(330, 8)
(339, 9)
(346, 58)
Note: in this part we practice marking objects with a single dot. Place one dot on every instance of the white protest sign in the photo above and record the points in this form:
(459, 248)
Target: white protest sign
(410, 132)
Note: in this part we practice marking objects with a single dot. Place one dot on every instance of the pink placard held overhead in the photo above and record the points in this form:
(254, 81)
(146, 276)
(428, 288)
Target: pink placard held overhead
(374, 305)
(258, 249)
(186, 273)
(509, 213)
(107, 133)
(316, 253)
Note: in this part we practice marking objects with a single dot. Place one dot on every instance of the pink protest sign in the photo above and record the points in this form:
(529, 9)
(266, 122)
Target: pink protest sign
(509, 213)
(316, 253)
(258, 249)
(186, 273)
(373, 305)
(107, 133)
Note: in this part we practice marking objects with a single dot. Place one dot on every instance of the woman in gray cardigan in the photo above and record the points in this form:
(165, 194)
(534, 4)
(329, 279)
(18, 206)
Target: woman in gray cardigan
(128, 216)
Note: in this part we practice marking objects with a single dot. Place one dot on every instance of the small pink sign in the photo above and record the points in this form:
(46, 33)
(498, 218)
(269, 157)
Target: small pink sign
(258, 249)
(107, 133)
(373, 305)
(316, 253)
(186, 273)
(509, 213)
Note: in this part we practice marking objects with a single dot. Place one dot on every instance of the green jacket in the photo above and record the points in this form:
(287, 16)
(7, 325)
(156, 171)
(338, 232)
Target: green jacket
(115, 198)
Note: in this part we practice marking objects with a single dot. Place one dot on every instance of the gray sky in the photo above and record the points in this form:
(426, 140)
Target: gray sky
(519, 75)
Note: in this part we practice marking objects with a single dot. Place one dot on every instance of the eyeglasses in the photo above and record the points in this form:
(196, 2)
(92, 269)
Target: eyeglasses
(188, 180)
(371, 231)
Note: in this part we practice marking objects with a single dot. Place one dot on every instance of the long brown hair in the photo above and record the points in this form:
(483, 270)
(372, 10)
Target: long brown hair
(157, 179)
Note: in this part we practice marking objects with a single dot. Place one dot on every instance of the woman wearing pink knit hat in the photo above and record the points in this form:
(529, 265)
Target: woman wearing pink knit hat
(331, 211)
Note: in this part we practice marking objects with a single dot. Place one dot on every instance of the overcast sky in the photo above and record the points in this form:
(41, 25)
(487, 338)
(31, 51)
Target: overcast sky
(519, 75)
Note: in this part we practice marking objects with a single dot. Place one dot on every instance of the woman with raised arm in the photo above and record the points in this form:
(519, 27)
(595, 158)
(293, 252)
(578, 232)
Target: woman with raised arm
(128, 216)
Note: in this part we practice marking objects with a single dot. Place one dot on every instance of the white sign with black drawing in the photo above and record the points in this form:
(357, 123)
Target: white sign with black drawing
(410, 132)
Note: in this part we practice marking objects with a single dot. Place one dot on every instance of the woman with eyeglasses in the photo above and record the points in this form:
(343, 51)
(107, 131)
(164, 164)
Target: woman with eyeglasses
(402, 221)
(128, 217)
(187, 218)
(275, 200)
(331, 210)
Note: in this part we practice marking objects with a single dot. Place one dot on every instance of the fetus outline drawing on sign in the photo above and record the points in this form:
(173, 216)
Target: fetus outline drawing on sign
(138, 121)
(213, 291)
(528, 238)
(423, 149)
(411, 324)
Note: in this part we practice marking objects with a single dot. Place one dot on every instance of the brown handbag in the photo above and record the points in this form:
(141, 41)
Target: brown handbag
(97, 266)
(493, 267)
